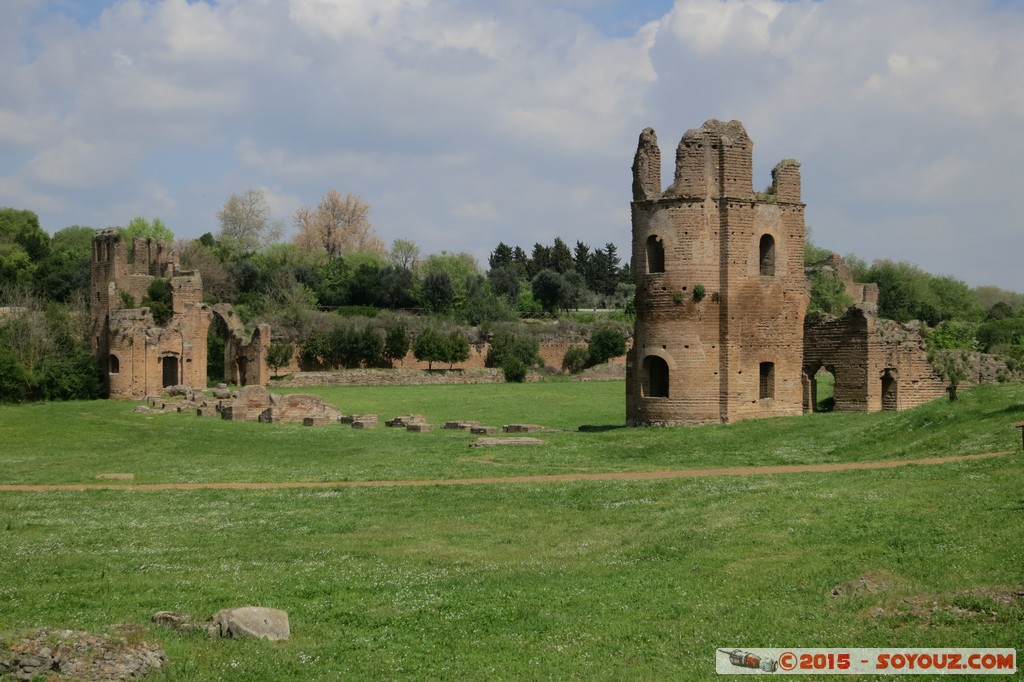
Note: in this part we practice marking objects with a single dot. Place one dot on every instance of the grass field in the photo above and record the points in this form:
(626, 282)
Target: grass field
(604, 579)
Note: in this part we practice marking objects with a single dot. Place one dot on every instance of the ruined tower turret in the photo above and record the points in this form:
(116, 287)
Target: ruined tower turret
(720, 289)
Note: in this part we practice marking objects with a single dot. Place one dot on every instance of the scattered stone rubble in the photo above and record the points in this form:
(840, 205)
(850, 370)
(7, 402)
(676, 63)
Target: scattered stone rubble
(256, 403)
(364, 421)
(252, 403)
(523, 428)
(255, 622)
(460, 425)
(492, 442)
(59, 655)
(416, 423)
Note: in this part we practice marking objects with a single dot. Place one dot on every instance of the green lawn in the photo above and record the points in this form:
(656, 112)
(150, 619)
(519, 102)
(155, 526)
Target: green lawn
(73, 442)
(607, 580)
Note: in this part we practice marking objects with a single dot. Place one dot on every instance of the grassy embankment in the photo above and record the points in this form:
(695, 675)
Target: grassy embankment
(608, 579)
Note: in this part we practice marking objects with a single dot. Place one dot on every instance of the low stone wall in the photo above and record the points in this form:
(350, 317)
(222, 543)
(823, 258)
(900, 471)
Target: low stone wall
(414, 377)
(551, 353)
(397, 377)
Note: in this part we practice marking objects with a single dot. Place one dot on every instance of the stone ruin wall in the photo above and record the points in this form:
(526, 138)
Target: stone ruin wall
(737, 353)
(877, 364)
(139, 358)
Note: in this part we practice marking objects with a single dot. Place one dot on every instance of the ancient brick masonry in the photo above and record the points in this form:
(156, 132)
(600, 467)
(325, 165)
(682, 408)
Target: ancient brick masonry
(877, 364)
(720, 287)
(721, 295)
(137, 356)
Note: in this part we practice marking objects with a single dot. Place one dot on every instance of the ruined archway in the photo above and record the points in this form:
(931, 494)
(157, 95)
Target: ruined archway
(654, 382)
(825, 389)
(819, 388)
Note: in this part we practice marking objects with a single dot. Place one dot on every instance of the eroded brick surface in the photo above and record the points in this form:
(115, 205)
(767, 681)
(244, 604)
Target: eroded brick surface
(721, 296)
(140, 358)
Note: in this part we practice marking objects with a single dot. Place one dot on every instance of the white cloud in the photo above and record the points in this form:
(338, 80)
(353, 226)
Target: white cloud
(467, 123)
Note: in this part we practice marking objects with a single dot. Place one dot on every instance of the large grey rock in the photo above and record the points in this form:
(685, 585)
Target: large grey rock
(253, 621)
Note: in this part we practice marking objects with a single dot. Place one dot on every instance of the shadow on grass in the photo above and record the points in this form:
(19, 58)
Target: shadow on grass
(600, 428)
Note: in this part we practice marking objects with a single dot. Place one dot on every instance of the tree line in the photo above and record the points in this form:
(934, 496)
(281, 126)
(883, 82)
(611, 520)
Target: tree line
(335, 284)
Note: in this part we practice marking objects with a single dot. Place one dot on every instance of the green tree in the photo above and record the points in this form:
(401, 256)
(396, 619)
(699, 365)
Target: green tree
(140, 228)
(456, 348)
(576, 359)
(482, 306)
(952, 335)
(438, 292)
(43, 351)
(560, 257)
(509, 343)
(952, 367)
(550, 290)
(159, 300)
(606, 342)
(279, 354)
(514, 370)
(540, 259)
(404, 254)
(396, 343)
(828, 293)
(430, 347)
(22, 228)
(501, 257)
(504, 282)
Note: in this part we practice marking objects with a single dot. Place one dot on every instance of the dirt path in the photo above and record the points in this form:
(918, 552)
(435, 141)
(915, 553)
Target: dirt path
(543, 478)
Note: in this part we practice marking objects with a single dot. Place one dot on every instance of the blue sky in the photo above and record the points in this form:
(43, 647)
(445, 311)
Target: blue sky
(464, 123)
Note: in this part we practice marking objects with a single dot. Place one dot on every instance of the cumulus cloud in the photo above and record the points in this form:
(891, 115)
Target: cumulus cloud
(466, 123)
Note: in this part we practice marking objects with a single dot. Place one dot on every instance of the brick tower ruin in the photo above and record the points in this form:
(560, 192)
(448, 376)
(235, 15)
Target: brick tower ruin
(138, 357)
(720, 287)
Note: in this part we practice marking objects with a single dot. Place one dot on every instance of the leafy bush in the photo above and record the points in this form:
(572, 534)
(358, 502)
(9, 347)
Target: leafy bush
(396, 342)
(828, 294)
(951, 335)
(606, 342)
(456, 348)
(159, 301)
(279, 354)
(575, 359)
(430, 347)
(507, 343)
(514, 370)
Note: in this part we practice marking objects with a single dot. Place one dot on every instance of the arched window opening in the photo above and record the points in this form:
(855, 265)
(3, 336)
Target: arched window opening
(824, 385)
(114, 364)
(655, 378)
(767, 255)
(767, 389)
(655, 255)
(890, 385)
